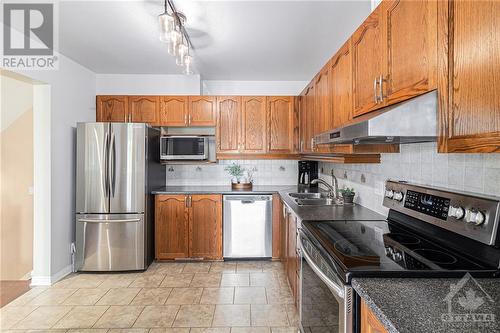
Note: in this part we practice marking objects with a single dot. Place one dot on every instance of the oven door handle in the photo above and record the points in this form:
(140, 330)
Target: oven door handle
(336, 288)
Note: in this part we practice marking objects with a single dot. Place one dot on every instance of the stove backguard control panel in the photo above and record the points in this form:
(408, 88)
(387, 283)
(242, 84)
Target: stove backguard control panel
(471, 215)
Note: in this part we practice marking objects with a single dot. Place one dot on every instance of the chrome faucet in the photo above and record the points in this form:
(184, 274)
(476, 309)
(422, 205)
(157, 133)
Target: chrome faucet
(333, 190)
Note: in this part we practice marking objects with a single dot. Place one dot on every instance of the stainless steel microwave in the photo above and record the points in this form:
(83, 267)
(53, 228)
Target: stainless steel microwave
(183, 148)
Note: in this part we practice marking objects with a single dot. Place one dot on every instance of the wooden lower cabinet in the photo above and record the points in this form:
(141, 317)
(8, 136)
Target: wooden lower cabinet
(370, 323)
(171, 227)
(188, 226)
(205, 226)
(289, 256)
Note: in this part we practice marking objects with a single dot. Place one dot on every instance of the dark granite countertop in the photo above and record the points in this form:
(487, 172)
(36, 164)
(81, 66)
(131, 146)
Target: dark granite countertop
(334, 213)
(411, 305)
(257, 189)
(305, 213)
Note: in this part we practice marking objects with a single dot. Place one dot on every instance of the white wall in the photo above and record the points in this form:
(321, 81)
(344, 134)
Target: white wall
(269, 88)
(72, 100)
(147, 84)
(422, 164)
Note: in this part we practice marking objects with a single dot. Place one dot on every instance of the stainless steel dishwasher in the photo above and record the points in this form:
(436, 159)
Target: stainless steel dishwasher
(247, 226)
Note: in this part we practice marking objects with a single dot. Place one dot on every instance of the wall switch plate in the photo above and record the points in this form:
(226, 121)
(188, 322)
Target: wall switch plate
(379, 188)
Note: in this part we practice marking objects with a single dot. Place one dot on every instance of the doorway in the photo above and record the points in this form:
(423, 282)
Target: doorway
(16, 185)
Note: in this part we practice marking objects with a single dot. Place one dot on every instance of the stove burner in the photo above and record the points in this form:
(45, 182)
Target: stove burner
(436, 256)
(404, 239)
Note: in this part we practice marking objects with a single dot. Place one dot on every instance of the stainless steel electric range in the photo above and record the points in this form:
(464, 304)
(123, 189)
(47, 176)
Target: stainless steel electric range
(429, 232)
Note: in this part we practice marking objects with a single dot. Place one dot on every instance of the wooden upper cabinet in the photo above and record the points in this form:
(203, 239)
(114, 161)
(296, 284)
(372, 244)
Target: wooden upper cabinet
(341, 86)
(144, 109)
(171, 227)
(281, 124)
(174, 111)
(309, 118)
(253, 124)
(367, 47)
(469, 85)
(202, 111)
(205, 226)
(111, 109)
(228, 124)
(411, 46)
(369, 322)
(322, 111)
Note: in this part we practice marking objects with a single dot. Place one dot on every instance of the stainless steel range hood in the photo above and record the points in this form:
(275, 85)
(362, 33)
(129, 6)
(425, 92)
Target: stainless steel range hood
(408, 122)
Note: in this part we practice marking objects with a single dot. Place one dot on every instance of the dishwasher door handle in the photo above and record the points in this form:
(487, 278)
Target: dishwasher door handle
(247, 201)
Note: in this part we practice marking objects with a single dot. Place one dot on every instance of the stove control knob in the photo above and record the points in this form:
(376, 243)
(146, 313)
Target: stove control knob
(397, 256)
(476, 217)
(456, 212)
(398, 196)
(389, 194)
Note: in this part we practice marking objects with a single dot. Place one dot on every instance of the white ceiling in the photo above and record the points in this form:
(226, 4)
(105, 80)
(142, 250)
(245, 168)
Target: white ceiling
(233, 40)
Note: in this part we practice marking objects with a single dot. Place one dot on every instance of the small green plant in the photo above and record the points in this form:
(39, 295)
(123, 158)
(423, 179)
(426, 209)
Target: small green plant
(235, 170)
(347, 192)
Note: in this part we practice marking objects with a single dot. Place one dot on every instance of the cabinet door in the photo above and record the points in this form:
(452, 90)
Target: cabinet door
(292, 254)
(411, 40)
(174, 111)
(469, 85)
(144, 109)
(228, 124)
(309, 118)
(369, 322)
(367, 62)
(322, 111)
(205, 226)
(111, 109)
(202, 111)
(281, 124)
(341, 86)
(171, 227)
(253, 124)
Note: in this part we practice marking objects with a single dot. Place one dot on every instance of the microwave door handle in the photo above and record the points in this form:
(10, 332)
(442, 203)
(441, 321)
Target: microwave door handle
(334, 287)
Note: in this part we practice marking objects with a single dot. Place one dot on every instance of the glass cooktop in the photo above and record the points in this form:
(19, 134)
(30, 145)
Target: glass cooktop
(369, 247)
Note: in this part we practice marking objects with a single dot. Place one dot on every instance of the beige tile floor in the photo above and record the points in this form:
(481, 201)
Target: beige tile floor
(218, 297)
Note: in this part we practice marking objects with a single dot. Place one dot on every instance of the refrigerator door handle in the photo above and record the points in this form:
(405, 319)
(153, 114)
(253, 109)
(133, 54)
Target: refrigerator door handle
(108, 221)
(106, 165)
(112, 164)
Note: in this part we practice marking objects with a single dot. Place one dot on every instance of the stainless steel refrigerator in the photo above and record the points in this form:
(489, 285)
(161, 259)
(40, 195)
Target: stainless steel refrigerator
(117, 166)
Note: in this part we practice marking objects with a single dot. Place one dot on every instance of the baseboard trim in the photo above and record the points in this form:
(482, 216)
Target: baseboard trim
(50, 280)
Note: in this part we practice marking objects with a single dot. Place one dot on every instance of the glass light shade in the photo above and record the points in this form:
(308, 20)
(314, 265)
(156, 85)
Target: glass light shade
(175, 38)
(188, 61)
(182, 50)
(166, 22)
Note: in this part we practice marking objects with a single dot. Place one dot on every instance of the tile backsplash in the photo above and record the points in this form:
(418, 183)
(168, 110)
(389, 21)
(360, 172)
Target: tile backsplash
(266, 172)
(419, 163)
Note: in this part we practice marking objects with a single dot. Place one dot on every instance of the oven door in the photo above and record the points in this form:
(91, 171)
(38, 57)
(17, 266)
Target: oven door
(326, 303)
(184, 148)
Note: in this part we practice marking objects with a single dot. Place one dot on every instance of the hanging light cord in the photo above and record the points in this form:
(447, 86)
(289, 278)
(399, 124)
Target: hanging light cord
(170, 4)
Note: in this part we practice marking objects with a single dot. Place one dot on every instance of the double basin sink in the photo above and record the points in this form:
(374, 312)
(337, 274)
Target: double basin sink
(314, 199)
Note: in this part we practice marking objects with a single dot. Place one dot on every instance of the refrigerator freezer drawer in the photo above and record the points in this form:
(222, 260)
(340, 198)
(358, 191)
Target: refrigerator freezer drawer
(110, 242)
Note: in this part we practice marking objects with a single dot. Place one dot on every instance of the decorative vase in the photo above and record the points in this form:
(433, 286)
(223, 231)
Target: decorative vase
(348, 199)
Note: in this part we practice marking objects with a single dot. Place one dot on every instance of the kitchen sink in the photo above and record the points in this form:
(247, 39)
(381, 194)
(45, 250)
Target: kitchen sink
(308, 195)
(317, 202)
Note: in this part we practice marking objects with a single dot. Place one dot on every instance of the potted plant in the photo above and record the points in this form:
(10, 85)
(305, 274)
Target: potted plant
(239, 176)
(348, 195)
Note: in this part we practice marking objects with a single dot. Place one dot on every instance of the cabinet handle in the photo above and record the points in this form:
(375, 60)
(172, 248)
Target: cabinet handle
(185, 119)
(381, 92)
(312, 144)
(189, 119)
(375, 96)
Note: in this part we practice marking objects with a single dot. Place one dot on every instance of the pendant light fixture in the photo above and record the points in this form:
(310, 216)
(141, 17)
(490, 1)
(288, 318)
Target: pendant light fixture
(173, 33)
